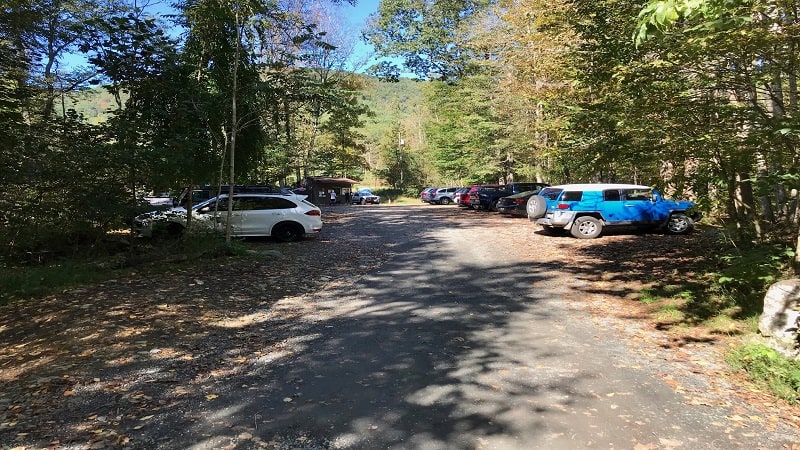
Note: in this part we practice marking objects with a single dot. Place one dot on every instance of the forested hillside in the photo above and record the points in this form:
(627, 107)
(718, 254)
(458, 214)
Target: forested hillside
(390, 103)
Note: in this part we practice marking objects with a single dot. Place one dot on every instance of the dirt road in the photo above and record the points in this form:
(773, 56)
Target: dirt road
(402, 327)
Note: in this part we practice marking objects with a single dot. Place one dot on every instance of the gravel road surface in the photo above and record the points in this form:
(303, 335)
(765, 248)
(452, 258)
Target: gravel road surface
(418, 327)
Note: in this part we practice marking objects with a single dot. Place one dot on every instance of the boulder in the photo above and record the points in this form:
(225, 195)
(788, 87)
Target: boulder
(780, 318)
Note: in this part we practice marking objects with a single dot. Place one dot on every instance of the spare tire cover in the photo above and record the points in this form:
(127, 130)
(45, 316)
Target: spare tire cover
(536, 207)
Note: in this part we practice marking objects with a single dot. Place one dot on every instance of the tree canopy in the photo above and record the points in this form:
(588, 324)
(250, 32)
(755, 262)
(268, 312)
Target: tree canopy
(697, 97)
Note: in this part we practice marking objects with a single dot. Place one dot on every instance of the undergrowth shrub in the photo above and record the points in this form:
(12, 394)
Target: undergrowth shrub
(768, 369)
(744, 274)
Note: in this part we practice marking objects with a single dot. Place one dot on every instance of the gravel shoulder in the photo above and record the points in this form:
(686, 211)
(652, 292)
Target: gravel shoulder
(233, 355)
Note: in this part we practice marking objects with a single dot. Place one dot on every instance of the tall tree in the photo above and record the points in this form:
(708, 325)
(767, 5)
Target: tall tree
(429, 36)
(744, 60)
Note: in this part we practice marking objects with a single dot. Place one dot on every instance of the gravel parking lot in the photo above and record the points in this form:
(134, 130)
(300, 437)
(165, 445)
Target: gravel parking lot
(400, 327)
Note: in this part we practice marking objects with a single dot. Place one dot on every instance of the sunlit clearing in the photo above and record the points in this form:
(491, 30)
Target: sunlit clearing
(242, 321)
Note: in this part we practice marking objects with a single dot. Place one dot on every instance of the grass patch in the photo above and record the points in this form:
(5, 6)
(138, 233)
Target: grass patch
(144, 255)
(648, 296)
(768, 369)
(724, 323)
(669, 311)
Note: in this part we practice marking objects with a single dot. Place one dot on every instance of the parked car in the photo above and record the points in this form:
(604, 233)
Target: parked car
(461, 198)
(467, 202)
(364, 196)
(586, 209)
(443, 195)
(516, 204)
(283, 217)
(426, 194)
(486, 198)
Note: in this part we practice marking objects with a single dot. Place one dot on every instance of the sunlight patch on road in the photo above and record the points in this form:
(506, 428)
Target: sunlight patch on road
(242, 321)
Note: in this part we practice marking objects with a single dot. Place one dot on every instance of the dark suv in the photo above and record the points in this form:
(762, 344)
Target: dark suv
(586, 209)
(486, 198)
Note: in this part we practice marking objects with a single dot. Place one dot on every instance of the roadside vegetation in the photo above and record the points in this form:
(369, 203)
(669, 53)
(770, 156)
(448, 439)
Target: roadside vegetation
(724, 294)
(698, 98)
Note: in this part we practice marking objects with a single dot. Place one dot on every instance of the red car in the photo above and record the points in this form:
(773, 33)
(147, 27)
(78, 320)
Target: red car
(464, 197)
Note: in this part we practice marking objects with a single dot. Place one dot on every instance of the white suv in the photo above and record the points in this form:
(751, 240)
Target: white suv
(285, 217)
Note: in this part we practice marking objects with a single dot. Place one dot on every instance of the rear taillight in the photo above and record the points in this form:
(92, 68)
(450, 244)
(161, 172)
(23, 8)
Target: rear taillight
(562, 206)
(519, 201)
(313, 212)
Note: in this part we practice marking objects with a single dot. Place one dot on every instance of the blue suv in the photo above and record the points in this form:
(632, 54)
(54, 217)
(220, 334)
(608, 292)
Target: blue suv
(585, 209)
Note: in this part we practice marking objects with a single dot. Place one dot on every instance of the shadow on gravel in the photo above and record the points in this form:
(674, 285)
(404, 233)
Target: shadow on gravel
(419, 356)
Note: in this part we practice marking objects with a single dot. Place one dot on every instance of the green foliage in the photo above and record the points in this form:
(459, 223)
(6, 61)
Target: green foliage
(167, 118)
(747, 273)
(769, 370)
(464, 131)
(426, 34)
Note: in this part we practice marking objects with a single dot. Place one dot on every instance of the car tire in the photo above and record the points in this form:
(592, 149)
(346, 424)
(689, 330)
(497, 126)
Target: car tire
(536, 207)
(492, 206)
(287, 232)
(444, 201)
(174, 229)
(363, 201)
(586, 227)
(679, 224)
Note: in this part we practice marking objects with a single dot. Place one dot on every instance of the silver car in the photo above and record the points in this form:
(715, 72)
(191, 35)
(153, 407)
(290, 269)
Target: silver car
(444, 195)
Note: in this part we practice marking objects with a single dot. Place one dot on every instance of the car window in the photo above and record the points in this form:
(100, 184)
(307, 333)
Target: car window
(526, 186)
(638, 194)
(212, 204)
(612, 195)
(262, 203)
(276, 203)
(550, 193)
(572, 196)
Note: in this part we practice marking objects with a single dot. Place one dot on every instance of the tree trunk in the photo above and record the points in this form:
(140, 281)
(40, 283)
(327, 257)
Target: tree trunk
(747, 222)
(233, 130)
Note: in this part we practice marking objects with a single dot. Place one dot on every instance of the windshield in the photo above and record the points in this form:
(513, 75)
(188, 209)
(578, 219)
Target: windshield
(207, 202)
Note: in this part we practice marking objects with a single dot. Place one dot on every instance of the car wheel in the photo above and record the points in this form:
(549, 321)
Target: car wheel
(286, 232)
(444, 201)
(174, 229)
(536, 207)
(586, 227)
(492, 206)
(679, 224)
(363, 201)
